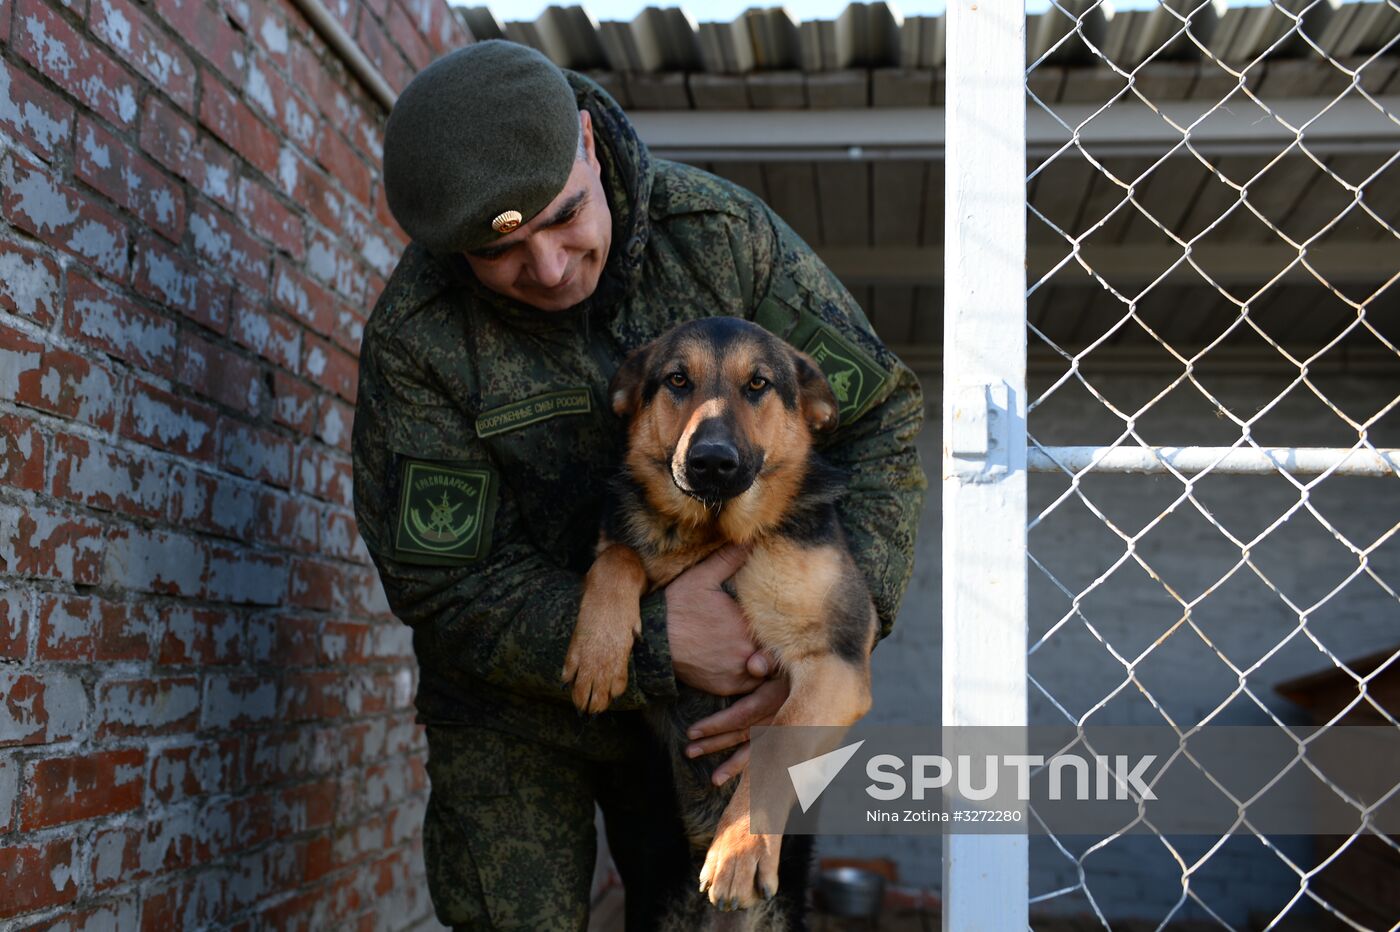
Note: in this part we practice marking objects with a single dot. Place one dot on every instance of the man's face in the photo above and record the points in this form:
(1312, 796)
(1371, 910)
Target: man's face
(554, 261)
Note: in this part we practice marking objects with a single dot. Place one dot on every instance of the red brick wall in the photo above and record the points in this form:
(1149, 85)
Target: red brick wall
(205, 709)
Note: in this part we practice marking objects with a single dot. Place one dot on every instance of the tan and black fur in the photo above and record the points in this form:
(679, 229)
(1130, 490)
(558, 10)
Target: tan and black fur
(721, 417)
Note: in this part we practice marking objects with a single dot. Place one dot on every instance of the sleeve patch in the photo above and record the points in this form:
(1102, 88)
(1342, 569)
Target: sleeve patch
(445, 512)
(855, 378)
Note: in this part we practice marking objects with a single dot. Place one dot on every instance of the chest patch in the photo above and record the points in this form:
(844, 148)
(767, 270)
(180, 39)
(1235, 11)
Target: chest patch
(445, 512)
(519, 414)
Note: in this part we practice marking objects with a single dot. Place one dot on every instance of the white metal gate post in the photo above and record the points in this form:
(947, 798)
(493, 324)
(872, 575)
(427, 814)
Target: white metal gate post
(986, 877)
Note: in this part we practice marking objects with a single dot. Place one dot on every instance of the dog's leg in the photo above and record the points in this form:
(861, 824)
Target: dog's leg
(741, 866)
(609, 621)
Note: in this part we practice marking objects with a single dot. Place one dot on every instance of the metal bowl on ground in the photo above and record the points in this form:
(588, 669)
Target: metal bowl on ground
(851, 892)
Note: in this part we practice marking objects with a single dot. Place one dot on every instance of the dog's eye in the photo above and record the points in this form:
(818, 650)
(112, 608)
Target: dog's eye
(758, 383)
(677, 380)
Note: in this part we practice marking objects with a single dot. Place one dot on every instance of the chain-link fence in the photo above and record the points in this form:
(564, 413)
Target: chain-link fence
(1213, 536)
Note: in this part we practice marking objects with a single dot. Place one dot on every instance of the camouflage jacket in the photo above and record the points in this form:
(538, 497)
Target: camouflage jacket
(483, 436)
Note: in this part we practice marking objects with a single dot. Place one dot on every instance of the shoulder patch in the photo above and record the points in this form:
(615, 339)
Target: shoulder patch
(855, 378)
(532, 410)
(445, 512)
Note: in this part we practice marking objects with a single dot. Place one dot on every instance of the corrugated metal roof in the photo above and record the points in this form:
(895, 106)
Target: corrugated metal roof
(873, 35)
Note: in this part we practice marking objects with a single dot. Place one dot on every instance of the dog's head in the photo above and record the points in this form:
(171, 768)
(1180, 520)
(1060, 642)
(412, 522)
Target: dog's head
(716, 405)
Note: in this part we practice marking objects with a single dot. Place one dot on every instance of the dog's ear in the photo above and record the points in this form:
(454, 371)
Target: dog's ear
(625, 389)
(814, 392)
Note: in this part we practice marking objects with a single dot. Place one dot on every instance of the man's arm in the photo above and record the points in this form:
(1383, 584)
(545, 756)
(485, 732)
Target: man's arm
(806, 304)
(506, 617)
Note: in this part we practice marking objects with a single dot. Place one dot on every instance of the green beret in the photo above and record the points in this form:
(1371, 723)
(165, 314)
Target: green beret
(482, 132)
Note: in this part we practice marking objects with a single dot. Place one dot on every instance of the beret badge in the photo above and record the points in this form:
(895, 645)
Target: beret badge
(506, 221)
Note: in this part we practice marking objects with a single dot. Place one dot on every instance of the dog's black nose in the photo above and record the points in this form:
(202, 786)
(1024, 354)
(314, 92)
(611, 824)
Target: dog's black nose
(712, 463)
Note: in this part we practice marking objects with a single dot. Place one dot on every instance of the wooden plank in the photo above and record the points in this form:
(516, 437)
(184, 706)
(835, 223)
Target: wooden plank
(928, 316)
(931, 228)
(777, 90)
(838, 90)
(792, 192)
(719, 91)
(901, 87)
(745, 174)
(898, 190)
(891, 312)
(1058, 193)
(658, 91)
(843, 200)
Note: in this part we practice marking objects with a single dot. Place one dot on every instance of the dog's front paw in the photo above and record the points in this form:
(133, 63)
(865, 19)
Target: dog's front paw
(596, 663)
(740, 867)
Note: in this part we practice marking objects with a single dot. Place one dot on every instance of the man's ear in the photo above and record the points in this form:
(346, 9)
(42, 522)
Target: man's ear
(814, 393)
(625, 389)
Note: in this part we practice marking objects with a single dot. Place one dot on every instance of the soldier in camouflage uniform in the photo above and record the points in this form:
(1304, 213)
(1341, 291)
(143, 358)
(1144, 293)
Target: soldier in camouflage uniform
(484, 436)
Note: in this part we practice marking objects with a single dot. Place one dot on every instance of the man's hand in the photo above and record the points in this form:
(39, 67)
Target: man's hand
(730, 726)
(710, 645)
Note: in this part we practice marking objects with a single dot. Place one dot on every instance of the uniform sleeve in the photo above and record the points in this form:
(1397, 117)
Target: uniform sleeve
(801, 299)
(505, 618)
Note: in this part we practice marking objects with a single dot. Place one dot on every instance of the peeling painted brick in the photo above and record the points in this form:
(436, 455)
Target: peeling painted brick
(245, 576)
(236, 124)
(37, 541)
(294, 403)
(266, 89)
(16, 617)
(162, 420)
(154, 561)
(334, 424)
(129, 178)
(174, 141)
(325, 476)
(63, 217)
(302, 297)
(199, 636)
(145, 46)
(29, 282)
(330, 368)
(257, 454)
(204, 27)
(181, 282)
(330, 262)
(222, 243)
(88, 628)
(39, 117)
(287, 521)
(111, 323)
(345, 165)
(66, 789)
(220, 374)
(268, 218)
(160, 706)
(101, 476)
(46, 41)
(275, 338)
(217, 504)
(40, 708)
(185, 771)
(237, 701)
(38, 875)
(55, 380)
(21, 453)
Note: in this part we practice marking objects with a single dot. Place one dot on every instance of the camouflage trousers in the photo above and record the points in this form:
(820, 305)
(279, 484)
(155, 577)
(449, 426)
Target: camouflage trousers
(509, 839)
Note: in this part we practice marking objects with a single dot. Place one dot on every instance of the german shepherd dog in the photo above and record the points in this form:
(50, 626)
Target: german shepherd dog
(720, 422)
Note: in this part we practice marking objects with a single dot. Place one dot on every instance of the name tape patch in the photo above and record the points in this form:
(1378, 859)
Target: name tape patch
(519, 414)
(445, 513)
